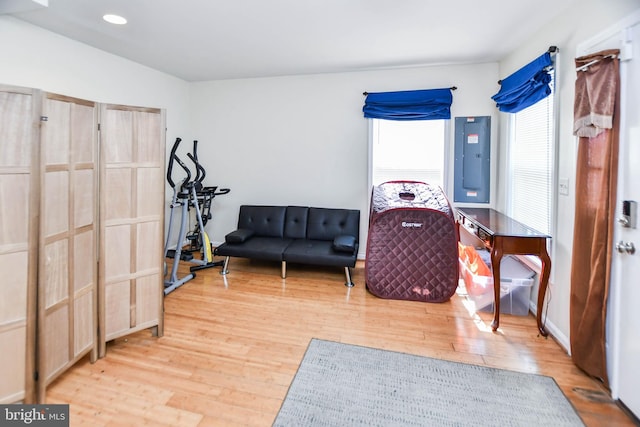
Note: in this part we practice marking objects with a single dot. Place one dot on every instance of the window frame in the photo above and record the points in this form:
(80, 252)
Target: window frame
(446, 170)
(553, 151)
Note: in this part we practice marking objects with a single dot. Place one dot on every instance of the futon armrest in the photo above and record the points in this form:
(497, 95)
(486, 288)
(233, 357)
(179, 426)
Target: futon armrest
(344, 243)
(241, 235)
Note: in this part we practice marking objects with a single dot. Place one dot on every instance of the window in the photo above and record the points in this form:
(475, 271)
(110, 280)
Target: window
(530, 165)
(408, 150)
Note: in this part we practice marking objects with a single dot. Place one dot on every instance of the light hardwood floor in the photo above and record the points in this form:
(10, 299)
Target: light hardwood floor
(232, 345)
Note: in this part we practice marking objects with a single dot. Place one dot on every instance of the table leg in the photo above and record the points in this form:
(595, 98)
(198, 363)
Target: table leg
(542, 289)
(496, 257)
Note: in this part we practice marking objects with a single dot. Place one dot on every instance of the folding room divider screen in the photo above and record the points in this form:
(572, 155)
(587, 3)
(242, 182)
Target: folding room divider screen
(52, 188)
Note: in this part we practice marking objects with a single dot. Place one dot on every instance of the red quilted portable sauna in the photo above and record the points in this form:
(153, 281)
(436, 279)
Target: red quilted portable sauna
(412, 245)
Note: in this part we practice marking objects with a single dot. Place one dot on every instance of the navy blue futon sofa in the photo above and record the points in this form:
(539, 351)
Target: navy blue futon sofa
(297, 234)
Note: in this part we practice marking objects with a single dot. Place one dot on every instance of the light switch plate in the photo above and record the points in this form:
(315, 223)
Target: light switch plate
(563, 186)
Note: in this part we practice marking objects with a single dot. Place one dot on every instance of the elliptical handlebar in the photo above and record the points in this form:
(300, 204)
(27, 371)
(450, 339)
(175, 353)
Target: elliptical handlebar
(200, 172)
(195, 160)
(187, 180)
(221, 192)
(172, 157)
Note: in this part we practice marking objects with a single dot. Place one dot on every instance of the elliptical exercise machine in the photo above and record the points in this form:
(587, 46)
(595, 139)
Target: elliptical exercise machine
(178, 201)
(198, 238)
(202, 200)
(189, 194)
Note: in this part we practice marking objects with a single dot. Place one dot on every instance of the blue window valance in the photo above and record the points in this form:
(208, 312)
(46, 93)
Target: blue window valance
(429, 104)
(526, 86)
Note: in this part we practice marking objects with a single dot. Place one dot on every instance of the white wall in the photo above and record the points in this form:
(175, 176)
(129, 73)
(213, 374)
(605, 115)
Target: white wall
(573, 26)
(303, 139)
(36, 58)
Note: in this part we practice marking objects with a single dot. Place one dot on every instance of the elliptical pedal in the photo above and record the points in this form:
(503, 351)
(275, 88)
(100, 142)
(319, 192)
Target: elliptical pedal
(184, 256)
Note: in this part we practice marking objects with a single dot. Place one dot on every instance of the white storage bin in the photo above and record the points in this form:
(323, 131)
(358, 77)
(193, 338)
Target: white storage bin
(516, 280)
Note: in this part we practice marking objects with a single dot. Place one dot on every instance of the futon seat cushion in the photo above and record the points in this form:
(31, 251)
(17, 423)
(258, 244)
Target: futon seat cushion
(266, 248)
(317, 252)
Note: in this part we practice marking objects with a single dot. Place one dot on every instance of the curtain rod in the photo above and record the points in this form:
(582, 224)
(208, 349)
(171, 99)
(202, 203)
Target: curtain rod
(553, 50)
(452, 88)
(587, 65)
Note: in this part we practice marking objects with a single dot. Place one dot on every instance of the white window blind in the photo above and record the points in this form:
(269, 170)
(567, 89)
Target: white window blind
(531, 165)
(408, 150)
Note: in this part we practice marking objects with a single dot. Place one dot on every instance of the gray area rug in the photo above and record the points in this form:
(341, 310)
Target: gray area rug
(346, 385)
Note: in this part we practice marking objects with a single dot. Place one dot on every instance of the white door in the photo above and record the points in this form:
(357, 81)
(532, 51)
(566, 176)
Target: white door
(625, 261)
(623, 319)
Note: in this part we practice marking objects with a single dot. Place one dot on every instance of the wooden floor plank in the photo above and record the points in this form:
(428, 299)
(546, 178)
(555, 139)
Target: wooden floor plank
(232, 345)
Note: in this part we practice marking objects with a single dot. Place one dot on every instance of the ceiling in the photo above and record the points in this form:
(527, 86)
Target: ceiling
(198, 40)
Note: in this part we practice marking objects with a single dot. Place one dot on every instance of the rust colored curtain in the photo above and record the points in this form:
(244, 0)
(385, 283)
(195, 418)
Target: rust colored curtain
(596, 123)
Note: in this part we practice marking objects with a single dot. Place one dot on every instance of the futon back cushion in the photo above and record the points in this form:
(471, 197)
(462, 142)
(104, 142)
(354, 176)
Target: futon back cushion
(295, 226)
(265, 221)
(326, 224)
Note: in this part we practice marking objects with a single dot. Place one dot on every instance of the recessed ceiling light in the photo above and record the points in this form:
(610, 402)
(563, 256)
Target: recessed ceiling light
(114, 19)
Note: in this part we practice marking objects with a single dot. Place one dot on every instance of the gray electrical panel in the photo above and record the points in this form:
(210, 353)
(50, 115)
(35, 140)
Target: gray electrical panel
(472, 165)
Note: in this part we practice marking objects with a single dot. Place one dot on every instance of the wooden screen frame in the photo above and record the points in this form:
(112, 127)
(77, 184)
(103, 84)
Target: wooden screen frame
(29, 247)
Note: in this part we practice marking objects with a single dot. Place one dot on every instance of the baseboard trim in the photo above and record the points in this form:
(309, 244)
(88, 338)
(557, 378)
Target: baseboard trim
(554, 332)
